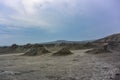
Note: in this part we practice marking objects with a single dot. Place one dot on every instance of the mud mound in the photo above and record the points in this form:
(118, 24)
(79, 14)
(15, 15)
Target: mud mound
(97, 51)
(107, 44)
(36, 51)
(102, 49)
(63, 52)
(107, 47)
(114, 46)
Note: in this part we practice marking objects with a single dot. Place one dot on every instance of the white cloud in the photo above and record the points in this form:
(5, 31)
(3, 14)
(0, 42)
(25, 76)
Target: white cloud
(48, 14)
(26, 14)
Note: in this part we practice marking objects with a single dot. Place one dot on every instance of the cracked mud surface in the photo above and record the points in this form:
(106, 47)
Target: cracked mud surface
(79, 66)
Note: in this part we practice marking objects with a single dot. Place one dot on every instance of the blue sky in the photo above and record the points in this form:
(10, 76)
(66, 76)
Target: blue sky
(34, 21)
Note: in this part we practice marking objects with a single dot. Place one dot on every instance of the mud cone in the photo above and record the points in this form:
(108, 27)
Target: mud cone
(36, 51)
(63, 52)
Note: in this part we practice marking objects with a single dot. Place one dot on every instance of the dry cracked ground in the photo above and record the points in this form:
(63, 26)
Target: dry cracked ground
(78, 66)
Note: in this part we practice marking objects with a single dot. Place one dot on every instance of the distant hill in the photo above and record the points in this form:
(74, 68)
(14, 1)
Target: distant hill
(108, 39)
(67, 42)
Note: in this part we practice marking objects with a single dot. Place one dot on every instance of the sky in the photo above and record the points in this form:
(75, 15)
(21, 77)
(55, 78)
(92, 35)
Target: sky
(36, 21)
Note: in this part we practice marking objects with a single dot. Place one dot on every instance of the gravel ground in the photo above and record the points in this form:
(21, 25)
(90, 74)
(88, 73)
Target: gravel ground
(79, 66)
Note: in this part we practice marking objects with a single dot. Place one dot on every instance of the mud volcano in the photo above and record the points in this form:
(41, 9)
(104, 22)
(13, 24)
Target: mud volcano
(108, 48)
(36, 51)
(102, 49)
(107, 44)
(63, 52)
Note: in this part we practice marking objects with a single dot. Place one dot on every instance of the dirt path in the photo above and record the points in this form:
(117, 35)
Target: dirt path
(79, 66)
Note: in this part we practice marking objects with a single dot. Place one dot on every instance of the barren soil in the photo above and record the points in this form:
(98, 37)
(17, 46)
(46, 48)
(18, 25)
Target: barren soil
(78, 66)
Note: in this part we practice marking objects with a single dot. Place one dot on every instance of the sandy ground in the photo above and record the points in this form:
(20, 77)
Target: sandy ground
(79, 66)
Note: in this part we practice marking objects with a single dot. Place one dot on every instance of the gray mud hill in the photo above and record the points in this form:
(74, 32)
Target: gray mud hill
(62, 52)
(36, 51)
(111, 38)
(107, 44)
